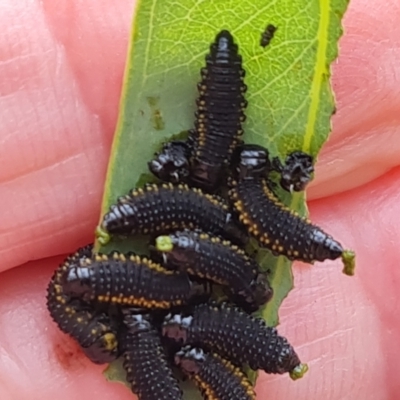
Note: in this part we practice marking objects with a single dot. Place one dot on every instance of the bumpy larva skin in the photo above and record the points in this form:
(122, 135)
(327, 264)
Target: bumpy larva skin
(218, 260)
(220, 112)
(146, 366)
(165, 208)
(94, 332)
(128, 280)
(217, 378)
(235, 335)
(279, 228)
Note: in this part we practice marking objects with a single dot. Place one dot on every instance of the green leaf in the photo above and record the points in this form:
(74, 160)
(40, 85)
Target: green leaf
(289, 93)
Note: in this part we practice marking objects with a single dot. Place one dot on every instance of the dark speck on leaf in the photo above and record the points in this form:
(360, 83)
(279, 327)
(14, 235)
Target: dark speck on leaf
(267, 35)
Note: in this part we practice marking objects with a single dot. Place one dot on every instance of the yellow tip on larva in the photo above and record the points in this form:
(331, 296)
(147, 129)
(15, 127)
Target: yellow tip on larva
(298, 372)
(164, 243)
(349, 262)
(102, 236)
(110, 341)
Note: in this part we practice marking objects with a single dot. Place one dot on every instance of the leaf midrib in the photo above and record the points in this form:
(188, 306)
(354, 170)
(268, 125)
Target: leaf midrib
(319, 71)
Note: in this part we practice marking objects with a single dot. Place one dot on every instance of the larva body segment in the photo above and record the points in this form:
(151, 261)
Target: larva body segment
(217, 378)
(237, 336)
(220, 112)
(145, 363)
(165, 208)
(93, 331)
(279, 228)
(128, 280)
(210, 257)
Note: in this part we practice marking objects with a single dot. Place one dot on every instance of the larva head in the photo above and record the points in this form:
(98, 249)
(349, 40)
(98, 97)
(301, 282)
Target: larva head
(297, 171)
(258, 293)
(189, 360)
(135, 321)
(262, 291)
(205, 176)
(175, 327)
(76, 281)
(103, 350)
(172, 163)
(234, 232)
(118, 220)
(250, 161)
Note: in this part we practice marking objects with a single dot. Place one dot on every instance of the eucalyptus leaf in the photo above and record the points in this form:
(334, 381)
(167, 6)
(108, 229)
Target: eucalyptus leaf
(289, 93)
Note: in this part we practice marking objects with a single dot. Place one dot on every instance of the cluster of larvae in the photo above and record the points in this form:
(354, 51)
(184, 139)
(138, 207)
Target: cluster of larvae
(159, 311)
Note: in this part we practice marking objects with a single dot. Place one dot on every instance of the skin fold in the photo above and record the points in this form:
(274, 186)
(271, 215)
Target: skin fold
(61, 67)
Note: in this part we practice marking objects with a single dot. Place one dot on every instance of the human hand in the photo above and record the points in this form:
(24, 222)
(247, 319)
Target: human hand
(61, 66)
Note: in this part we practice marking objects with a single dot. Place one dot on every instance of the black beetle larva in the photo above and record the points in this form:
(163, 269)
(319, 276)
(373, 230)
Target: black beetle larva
(147, 370)
(271, 223)
(217, 378)
(93, 331)
(219, 114)
(218, 260)
(267, 35)
(281, 229)
(128, 280)
(239, 337)
(165, 208)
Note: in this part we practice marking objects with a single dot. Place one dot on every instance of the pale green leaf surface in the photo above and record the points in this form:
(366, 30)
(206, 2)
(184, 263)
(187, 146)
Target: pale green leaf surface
(289, 94)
